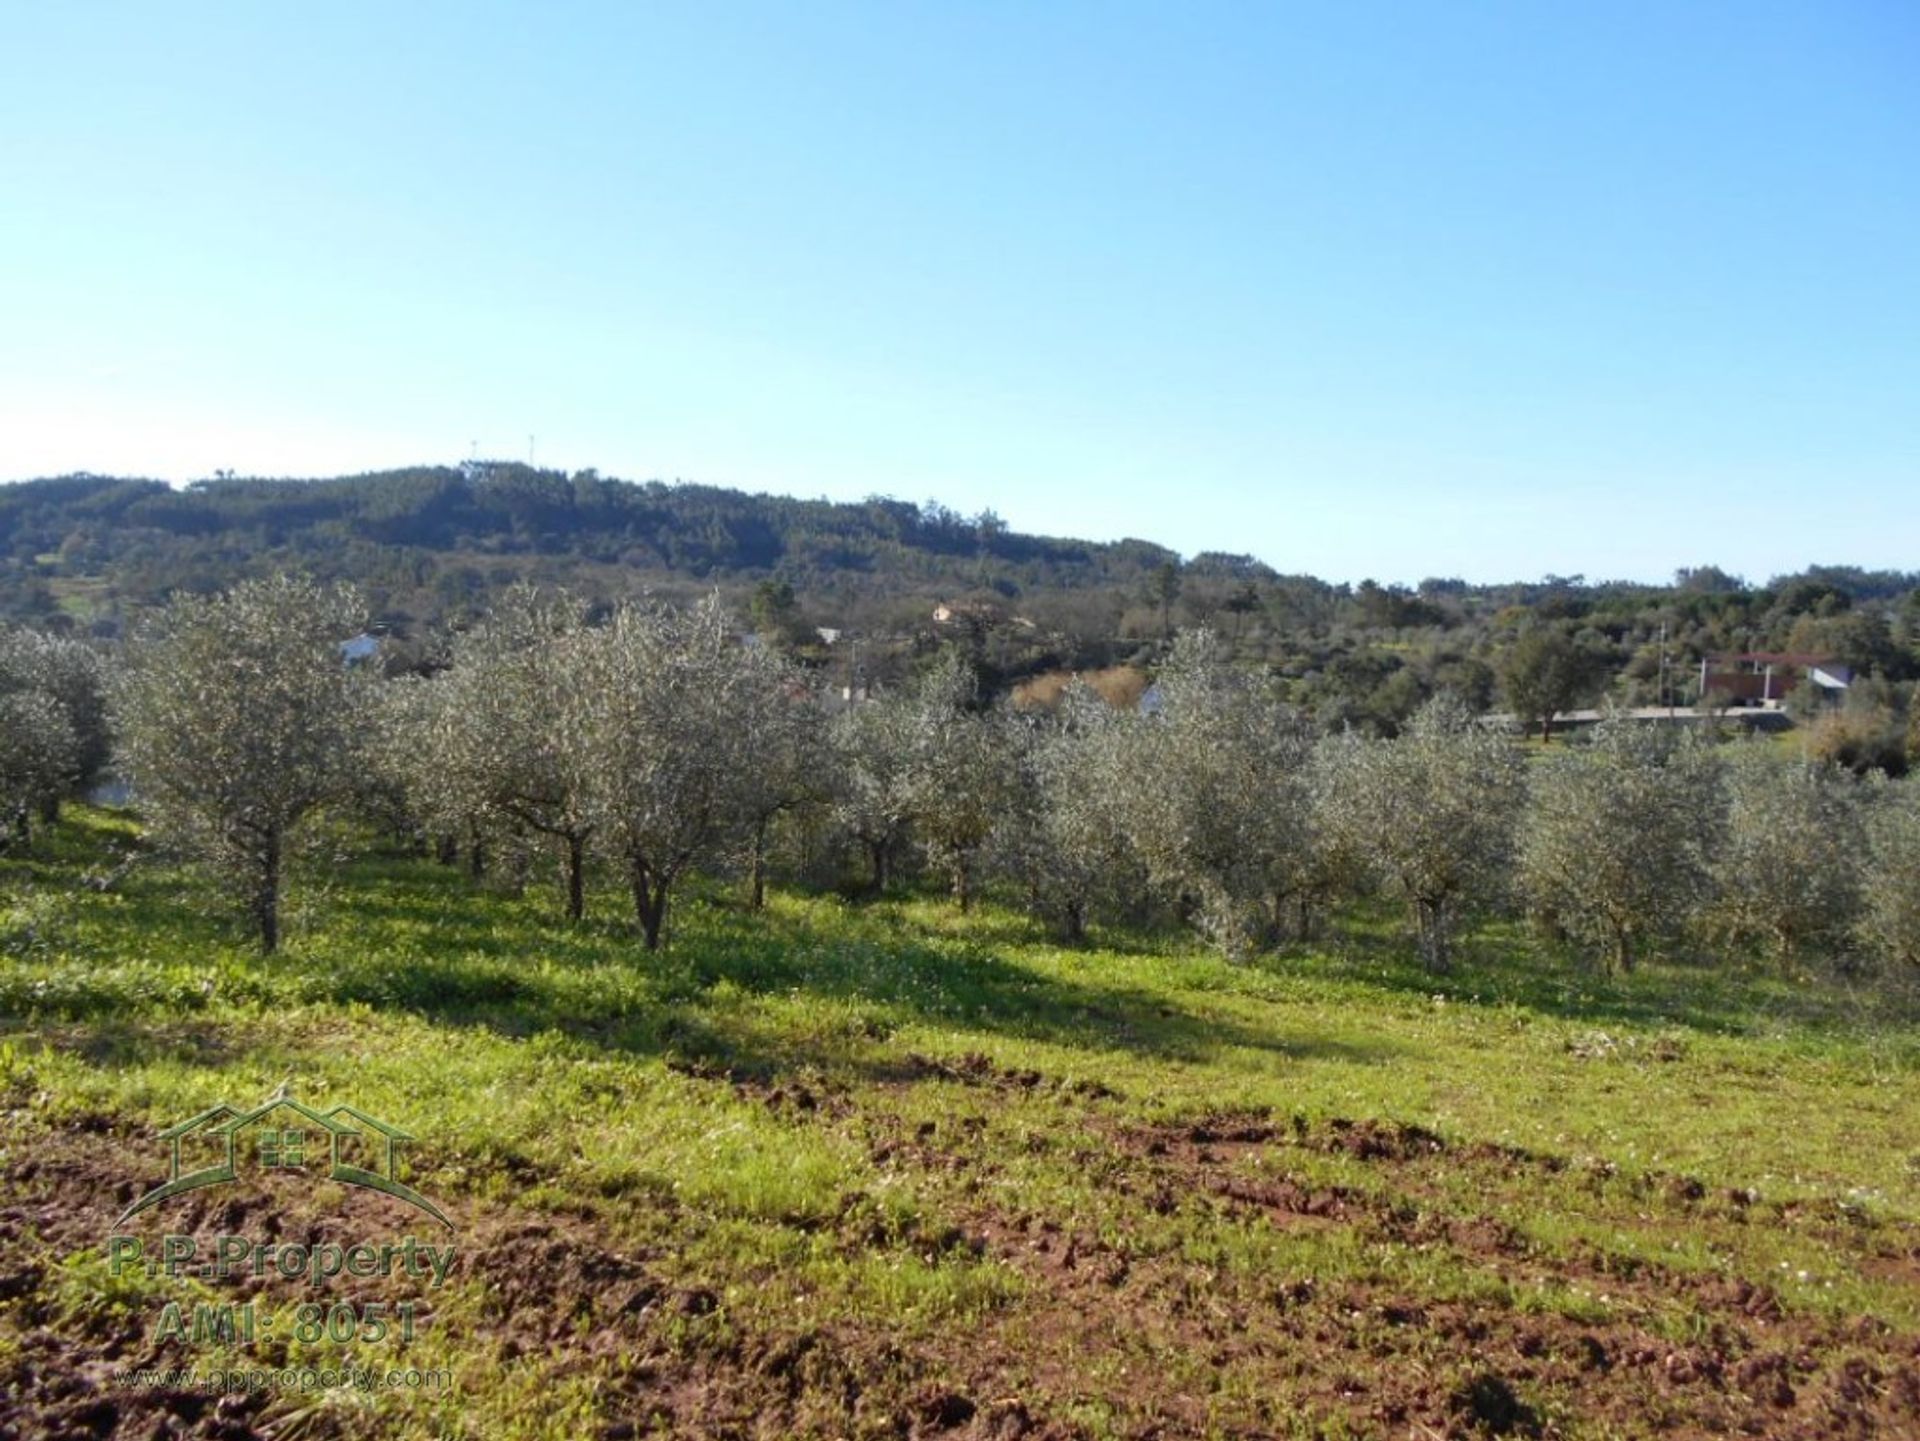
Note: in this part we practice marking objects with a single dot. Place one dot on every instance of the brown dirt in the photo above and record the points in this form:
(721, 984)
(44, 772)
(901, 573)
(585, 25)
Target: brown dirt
(554, 1294)
(1109, 1335)
(1757, 1368)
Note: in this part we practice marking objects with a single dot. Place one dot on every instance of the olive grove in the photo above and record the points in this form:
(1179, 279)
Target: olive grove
(646, 742)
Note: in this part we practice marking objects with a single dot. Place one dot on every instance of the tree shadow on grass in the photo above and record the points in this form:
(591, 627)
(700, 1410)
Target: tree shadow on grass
(409, 938)
(719, 1010)
(973, 990)
(122, 1042)
(998, 925)
(502, 963)
(1501, 962)
(717, 999)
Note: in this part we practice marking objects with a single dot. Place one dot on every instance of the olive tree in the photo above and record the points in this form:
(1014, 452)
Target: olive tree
(1890, 887)
(519, 665)
(1218, 796)
(423, 747)
(960, 777)
(493, 751)
(38, 756)
(1333, 864)
(874, 779)
(1618, 835)
(1065, 834)
(1433, 812)
(238, 718)
(1787, 875)
(71, 674)
(655, 742)
(787, 760)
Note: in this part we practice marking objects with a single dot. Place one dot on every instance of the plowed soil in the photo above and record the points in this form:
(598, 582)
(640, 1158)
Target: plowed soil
(1109, 1334)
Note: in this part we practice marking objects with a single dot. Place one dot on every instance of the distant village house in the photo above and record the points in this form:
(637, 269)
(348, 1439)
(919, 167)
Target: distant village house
(1767, 678)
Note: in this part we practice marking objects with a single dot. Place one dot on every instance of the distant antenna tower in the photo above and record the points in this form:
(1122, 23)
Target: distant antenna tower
(529, 452)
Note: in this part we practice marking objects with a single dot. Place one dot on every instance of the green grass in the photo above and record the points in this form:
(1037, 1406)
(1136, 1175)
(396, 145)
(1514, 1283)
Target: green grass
(815, 1111)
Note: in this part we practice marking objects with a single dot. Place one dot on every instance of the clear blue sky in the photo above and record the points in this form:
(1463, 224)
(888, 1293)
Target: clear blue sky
(1367, 289)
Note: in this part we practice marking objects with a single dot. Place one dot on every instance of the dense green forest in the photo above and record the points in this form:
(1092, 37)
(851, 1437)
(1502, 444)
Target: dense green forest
(433, 546)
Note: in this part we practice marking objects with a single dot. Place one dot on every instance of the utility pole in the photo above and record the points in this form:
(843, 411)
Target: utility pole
(1666, 692)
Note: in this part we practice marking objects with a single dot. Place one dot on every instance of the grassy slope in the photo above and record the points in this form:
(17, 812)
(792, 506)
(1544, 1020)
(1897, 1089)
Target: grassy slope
(883, 1132)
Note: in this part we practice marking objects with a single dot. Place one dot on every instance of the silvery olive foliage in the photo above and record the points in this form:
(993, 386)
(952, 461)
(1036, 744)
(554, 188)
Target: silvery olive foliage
(875, 781)
(1433, 812)
(238, 718)
(1787, 875)
(1890, 884)
(39, 756)
(1217, 796)
(416, 744)
(1336, 864)
(661, 741)
(960, 775)
(481, 749)
(1618, 837)
(1064, 836)
(72, 675)
(925, 762)
(655, 742)
(787, 759)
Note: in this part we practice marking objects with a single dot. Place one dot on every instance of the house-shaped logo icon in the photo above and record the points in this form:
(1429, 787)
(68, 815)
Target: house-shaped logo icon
(285, 1136)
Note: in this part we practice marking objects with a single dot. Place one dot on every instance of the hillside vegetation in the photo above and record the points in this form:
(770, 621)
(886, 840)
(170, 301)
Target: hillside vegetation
(432, 546)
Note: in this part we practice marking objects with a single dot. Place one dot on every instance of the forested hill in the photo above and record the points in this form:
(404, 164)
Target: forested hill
(434, 545)
(417, 530)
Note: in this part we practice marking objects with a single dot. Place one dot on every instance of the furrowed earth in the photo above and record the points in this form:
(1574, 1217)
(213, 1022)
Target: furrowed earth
(887, 1171)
